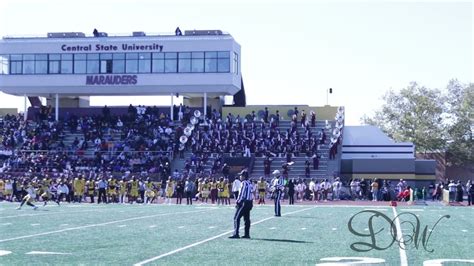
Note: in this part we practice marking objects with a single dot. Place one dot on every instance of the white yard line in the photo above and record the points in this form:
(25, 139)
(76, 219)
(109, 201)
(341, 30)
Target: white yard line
(47, 213)
(208, 239)
(401, 247)
(94, 225)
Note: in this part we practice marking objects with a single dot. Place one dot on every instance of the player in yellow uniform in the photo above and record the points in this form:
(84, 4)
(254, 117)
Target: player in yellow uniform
(29, 198)
(149, 193)
(2, 188)
(169, 190)
(122, 184)
(262, 190)
(156, 189)
(78, 190)
(220, 191)
(205, 190)
(112, 190)
(226, 192)
(47, 195)
(133, 195)
(90, 186)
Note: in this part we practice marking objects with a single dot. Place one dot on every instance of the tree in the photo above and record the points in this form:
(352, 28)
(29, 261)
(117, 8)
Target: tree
(414, 114)
(459, 123)
(432, 120)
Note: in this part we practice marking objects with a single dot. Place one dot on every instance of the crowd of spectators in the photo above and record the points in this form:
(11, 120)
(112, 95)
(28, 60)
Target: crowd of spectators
(145, 140)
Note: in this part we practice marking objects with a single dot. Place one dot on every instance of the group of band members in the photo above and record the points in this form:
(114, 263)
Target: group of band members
(107, 189)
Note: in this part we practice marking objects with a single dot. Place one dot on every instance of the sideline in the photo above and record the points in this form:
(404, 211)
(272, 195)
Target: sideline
(401, 247)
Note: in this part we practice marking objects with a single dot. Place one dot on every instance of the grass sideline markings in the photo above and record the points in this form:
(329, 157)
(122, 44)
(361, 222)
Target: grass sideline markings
(48, 213)
(401, 246)
(4, 252)
(95, 225)
(208, 239)
(46, 253)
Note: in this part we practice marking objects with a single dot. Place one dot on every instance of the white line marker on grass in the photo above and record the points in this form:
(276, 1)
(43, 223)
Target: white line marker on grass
(152, 226)
(464, 230)
(180, 227)
(208, 239)
(412, 210)
(304, 228)
(94, 225)
(46, 213)
(46, 253)
(211, 227)
(122, 225)
(6, 224)
(272, 228)
(334, 229)
(63, 224)
(4, 252)
(401, 247)
(35, 224)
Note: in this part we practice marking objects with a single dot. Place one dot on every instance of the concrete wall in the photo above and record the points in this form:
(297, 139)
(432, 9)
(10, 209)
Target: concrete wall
(392, 169)
(71, 102)
(9, 111)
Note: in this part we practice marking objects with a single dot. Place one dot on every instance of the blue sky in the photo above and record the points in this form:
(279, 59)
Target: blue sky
(292, 51)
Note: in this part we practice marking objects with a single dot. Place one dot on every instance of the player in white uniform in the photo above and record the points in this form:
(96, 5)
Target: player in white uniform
(29, 198)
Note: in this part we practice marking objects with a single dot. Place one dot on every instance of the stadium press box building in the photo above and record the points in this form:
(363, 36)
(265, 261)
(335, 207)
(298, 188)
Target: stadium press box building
(69, 67)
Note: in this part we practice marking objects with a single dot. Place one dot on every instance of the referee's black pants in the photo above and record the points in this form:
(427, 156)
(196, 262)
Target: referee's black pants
(102, 196)
(243, 209)
(277, 202)
(189, 198)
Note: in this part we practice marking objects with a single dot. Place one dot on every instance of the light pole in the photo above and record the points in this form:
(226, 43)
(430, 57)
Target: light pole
(328, 91)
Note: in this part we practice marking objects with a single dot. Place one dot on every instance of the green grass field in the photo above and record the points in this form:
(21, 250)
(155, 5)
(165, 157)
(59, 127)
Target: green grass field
(91, 234)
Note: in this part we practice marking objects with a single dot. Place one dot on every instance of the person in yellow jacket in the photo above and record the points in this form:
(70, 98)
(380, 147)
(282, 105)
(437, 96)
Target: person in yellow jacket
(133, 195)
(226, 192)
(206, 187)
(2, 188)
(112, 190)
(262, 190)
(78, 190)
(220, 191)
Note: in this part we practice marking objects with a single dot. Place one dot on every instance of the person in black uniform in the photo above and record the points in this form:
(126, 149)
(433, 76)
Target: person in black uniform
(278, 186)
(244, 205)
(470, 193)
(291, 192)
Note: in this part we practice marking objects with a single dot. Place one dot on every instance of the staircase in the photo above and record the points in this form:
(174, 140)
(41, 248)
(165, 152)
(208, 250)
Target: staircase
(298, 168)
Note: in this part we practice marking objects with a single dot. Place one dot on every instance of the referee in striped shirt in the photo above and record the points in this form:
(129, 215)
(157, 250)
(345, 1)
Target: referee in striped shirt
(244, 205)
(278, 186)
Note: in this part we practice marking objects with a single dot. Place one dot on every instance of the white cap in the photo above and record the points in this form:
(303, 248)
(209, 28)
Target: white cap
(276, 172)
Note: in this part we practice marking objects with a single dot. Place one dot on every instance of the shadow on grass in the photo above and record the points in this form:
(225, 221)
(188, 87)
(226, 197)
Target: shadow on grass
(282, 240)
